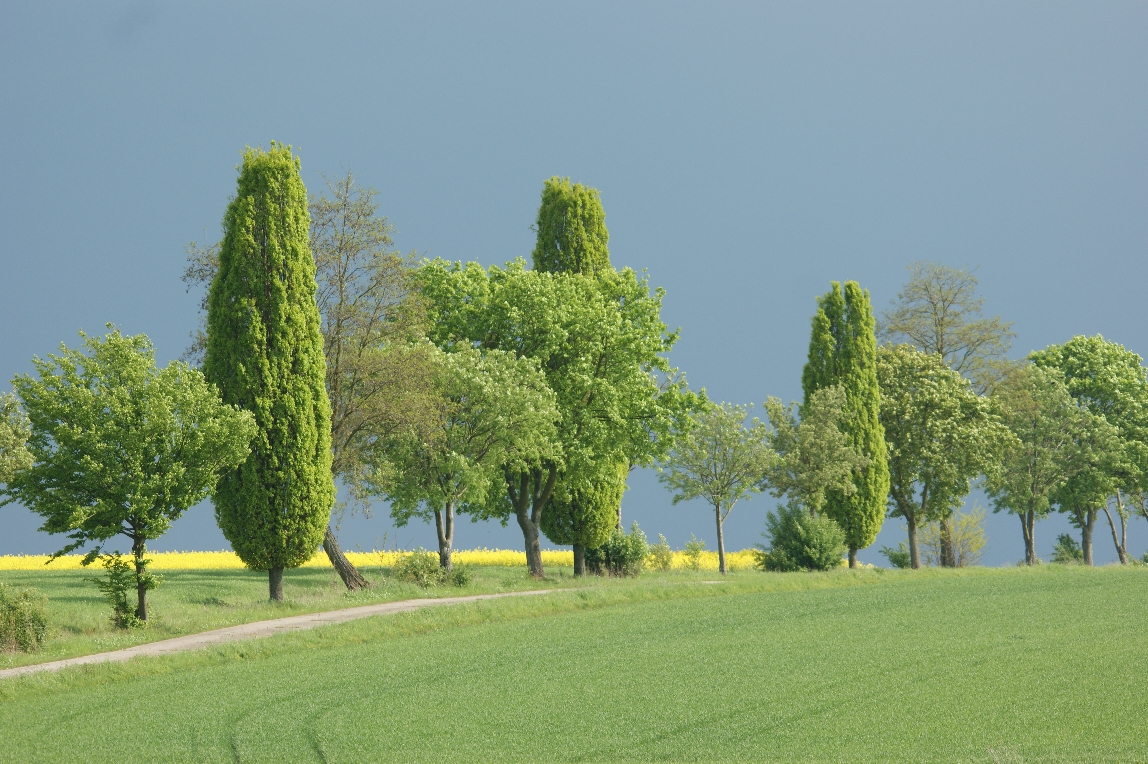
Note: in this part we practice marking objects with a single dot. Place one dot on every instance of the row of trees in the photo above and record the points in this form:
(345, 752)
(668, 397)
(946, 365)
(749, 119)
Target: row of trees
(530, 393)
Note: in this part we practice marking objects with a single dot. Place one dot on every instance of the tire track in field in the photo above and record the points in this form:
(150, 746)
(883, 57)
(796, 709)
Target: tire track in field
(255, 630)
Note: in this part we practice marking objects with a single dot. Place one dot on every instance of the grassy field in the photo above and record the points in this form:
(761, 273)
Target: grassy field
(985, 665)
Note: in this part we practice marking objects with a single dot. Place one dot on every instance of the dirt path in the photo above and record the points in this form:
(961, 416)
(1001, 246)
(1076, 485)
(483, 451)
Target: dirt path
(253, 630)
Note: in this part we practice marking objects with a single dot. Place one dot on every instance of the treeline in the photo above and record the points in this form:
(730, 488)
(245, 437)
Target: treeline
(528, 394)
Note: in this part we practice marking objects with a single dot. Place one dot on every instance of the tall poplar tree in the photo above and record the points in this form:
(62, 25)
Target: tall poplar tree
(265, 354)
(843, 351)
(572, 238)
(571, 228)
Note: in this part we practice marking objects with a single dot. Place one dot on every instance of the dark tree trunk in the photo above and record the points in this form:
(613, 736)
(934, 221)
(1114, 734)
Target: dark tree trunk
(720, 542)
(948, 554)
(138, 550)
(579, 560)
(352, 579)
(914, 550)
(445, 528)
(852, 556)
(275, 584)
(1027, 525)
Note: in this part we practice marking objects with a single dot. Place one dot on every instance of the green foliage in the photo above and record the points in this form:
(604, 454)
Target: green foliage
(600, 342)
(14, 433)
(265, 353)
(1055, 439)
(571, 228)
(121, 447)
(939, 433)
(661, 555)
(120, 579)
(718, 459)
(800, 541)
(497, 414)
(419, 567)
(813, 456)
(422, 568)
(23, 619)
(899, 557)
(623, 554)
(587, 516)
(842, 351)
(1066, 550)
(693, 551)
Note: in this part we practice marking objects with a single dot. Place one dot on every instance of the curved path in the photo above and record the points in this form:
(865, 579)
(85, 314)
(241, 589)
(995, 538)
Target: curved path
(253, 630)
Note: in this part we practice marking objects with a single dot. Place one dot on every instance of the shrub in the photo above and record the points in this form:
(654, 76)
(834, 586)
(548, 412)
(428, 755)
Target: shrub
(1144, 559)
(661, 555)
(23, 619)
(1066, 550)
(419, 567)
(968, 539)
(460, 575)
(694, 549)
(899, 557)
(799, 541)
(120, 580)
(623, 554)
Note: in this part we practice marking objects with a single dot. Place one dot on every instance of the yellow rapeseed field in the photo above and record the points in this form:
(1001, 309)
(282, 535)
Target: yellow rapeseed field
(493, 557)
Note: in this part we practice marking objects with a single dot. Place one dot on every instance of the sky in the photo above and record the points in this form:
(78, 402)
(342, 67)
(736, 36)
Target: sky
(747, 154)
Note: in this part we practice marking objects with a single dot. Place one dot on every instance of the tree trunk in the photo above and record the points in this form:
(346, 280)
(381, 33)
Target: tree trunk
(138, 550)
(852, 556)
(445, 529)
(1087, 522)
(720, 542)
(275, 584)
(579, 560)
(528, 506)
(533, 548)
(352, 578)
(1027, 524)
(948, 555)
(1121, 549)
(914, 550)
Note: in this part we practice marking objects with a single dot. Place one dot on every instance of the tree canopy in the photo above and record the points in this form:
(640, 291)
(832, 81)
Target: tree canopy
(720, 459)
(842, 351)
(601, 345)
(939, 433)
(121, 447)
(265, 353)
(571, 229)
(14, 432)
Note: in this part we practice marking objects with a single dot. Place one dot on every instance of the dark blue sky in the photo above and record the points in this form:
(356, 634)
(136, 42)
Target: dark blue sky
(747, 154)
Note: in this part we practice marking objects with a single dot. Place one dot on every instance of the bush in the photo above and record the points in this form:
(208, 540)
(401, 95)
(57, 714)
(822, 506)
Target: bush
(623, 554)
(121, 579)
(1144, 559)
(799, 541)
(1066, 550)
(460, 575)
(661, 555)
(419, 567)
(899, 557)
(23, 619)
(694, 549)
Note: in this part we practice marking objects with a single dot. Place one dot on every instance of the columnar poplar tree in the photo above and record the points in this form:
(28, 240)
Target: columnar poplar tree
(843, 351)
(265, 354)
(572, 238)
(571, 227)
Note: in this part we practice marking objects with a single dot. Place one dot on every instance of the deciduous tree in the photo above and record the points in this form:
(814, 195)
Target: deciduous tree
(813, 455)
(601, 344)
(1110, 381)
(1055, 439)
(720, 459)
(265, 353)
(14, 432)
(497, 415)
(842, 351)
(121, 447)
(571, 228)
(940, 435)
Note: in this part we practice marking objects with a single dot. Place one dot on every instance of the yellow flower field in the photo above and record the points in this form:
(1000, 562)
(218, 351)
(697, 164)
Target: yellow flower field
(479, 557)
